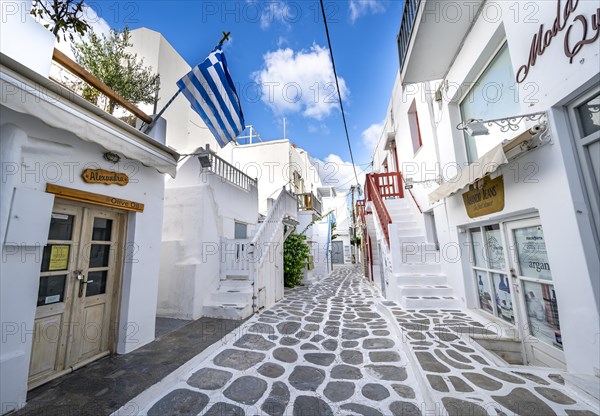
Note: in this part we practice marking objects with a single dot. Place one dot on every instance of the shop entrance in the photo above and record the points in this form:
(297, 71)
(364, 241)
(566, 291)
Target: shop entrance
(78, 292)
(536, 302)
(515, 285)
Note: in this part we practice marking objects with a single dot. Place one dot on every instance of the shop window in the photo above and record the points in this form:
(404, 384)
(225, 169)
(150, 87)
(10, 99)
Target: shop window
(494, 95)
(489, 269)
(415, 128)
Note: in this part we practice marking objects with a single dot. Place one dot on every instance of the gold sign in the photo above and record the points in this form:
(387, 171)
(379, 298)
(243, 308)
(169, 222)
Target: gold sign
(485, 199)
(106, 177)
(59, 258)
(98, 199)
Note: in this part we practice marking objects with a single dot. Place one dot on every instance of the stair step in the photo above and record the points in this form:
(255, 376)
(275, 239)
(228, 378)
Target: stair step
(420, 268)
(430, 302)
(412, 279)
(227, 311)
(421, 290)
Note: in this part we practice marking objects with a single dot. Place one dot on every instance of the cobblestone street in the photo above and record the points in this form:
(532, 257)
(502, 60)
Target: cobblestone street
(338, 348)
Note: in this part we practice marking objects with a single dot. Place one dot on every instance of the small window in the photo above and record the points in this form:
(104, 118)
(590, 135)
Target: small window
(415, 129)
(241, 231)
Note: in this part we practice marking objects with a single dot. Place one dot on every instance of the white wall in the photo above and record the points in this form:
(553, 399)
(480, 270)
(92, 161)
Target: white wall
(554, 190)
(198, 213)
(37, 155)
(186, 131)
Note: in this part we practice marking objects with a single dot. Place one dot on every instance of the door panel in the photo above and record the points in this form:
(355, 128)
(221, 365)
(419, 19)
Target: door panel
(80, 274)
(536, 298)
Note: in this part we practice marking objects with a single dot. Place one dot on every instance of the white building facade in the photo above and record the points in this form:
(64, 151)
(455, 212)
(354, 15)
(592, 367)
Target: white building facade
(82, 200)
(501, 215)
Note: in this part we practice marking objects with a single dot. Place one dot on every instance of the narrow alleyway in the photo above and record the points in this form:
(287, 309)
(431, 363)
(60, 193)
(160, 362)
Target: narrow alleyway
(335, 349)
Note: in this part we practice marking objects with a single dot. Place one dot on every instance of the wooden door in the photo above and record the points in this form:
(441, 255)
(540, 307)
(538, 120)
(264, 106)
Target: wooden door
(79, 278)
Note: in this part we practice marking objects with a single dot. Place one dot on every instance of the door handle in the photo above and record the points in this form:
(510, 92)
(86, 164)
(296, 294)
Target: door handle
(83, 281)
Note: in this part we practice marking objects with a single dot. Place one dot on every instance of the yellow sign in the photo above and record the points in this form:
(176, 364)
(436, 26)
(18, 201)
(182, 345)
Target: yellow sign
(59, 258)
(486, 198)
(106, 177)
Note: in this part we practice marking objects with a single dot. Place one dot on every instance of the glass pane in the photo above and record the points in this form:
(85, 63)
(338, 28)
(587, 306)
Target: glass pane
(55, 257)
(495, 251)
(494, 95)
(102, 229)
(61, 227)
(52, 290)
(531, 253)
(241, 231)
(589, 116)
(542, 313)
(484, 290)
(99, 255)
(504, 305)
(478, 248)
(96, 283)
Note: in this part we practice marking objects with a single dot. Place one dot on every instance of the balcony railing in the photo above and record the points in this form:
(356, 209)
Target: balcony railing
(373, 194)
(230, 173)
(389, 184)
(408, 19)
(309, 201)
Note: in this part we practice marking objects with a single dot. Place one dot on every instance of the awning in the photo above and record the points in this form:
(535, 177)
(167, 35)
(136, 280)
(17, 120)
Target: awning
(58, 107)
(483, 166)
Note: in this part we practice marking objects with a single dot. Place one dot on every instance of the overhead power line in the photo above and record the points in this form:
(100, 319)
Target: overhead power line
(337, 84)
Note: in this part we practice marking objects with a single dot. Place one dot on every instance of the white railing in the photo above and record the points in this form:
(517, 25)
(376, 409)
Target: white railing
(386, 256)
(263, 245)
(235, 257)
(230, 173)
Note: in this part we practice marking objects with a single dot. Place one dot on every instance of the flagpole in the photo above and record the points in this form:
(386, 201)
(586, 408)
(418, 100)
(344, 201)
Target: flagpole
(146, 129)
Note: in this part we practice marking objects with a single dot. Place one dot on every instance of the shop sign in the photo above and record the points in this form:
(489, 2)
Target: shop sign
(106, 177)
(59, 258)
(97, 199)
(486, 197)
(588, 31)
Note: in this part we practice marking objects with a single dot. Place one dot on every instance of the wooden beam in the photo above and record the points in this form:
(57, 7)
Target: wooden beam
(97, 199)
(82, 73)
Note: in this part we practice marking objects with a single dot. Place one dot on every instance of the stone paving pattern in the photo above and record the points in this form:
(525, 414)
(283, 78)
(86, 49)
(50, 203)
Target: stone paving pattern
(338, 348)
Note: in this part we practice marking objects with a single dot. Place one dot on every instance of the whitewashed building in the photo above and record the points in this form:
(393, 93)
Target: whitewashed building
(485, 187)
(82, 203)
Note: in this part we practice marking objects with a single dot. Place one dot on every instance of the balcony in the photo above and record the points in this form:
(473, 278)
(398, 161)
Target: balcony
(431, 35)
(309, 202)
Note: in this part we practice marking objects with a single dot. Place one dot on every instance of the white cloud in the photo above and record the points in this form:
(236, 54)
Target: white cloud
(269, 12)
(300, 82)
(371, 136)
(360, 8)
(334, 171)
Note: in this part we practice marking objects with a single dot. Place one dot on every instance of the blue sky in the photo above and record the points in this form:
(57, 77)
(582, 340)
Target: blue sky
(278, 55)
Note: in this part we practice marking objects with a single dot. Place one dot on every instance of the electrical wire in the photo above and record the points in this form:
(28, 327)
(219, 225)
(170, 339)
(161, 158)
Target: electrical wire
(338, 90)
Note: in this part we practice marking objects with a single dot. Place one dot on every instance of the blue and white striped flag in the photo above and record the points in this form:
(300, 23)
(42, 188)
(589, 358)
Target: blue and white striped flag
(210, 90)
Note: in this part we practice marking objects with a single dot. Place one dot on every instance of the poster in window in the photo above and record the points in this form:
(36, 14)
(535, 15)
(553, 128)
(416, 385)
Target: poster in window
(59, 258)
(532, 254)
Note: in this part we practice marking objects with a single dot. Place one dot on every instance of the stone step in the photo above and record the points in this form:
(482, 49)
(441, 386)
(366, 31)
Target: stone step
(235, 274)
(406, 224)
(413, 231)
(227, 311)
(429, 290)
(412, 279)
(399, 217)
(430, 302)
(420, 268)
(411, 239)
(232, 296)
(236, 283)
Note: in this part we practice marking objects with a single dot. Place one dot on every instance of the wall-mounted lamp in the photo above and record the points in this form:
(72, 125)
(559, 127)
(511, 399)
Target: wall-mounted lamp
(204, 157)
(474, 127)
(111, 157)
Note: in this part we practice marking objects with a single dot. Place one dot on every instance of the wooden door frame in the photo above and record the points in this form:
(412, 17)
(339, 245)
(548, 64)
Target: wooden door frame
(70, 289)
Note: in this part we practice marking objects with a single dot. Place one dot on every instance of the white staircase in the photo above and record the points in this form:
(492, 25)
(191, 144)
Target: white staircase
(418, 279)
(249, 282)
(233, 298)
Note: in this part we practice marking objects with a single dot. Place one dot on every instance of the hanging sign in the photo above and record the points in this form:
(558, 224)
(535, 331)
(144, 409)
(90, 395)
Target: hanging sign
(59, 258)
(97, 199)
(106, 177)
(485, 198)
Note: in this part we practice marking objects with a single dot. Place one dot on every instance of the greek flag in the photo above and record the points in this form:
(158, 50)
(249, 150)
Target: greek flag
(210, 90)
